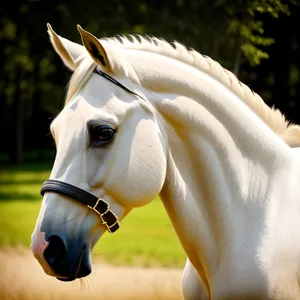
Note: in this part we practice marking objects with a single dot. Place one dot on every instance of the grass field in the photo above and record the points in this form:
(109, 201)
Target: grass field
(146, 237)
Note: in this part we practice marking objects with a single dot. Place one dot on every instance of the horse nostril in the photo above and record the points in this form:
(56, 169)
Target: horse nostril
(67, 263)
(55, 252)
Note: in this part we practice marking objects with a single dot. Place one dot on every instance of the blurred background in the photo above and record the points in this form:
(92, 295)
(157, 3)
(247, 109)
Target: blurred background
(258, 40)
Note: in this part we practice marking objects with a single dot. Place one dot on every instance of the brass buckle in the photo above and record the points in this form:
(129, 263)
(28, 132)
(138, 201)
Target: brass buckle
(94, 207)
(108, 227)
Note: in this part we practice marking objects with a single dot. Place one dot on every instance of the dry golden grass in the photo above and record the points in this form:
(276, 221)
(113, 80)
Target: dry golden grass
(23, 279)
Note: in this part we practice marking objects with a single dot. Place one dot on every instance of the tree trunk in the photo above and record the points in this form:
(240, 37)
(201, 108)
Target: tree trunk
(237, 61)
(18, 145)
(282, 60)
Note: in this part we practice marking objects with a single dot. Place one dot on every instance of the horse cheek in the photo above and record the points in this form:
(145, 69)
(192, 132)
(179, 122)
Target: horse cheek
(138, 179)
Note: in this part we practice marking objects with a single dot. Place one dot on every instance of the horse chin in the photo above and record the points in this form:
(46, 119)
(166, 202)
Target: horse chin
(81, 274)
(66, 278)
(71, 278)
(84, 271)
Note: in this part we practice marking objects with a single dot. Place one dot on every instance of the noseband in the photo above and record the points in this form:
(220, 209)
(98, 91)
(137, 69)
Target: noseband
(98, 205)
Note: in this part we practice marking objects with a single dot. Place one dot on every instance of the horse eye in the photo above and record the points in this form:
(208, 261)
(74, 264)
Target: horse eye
(101, 135)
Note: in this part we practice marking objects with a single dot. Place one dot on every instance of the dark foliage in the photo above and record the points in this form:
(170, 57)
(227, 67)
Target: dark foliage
(258, 40)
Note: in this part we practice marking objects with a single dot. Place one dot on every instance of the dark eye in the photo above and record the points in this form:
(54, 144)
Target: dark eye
(101, 135)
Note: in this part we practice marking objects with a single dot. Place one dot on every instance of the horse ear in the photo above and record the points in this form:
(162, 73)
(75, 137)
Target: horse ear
(67, 50)
(95, 49)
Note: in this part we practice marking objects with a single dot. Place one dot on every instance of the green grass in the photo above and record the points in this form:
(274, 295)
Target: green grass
(146, 237)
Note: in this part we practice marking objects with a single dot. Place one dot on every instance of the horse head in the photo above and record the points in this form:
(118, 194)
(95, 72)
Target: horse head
(110, 143)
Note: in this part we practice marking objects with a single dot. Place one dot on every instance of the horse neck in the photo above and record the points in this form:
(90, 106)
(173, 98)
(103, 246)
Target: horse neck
(218, 149)
(217, 183)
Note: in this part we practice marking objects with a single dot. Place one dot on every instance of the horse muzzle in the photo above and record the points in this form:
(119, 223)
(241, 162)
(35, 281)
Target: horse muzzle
(66, 261)
(62, 250)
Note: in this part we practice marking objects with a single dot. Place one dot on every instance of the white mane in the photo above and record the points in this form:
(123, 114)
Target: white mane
(290, 133)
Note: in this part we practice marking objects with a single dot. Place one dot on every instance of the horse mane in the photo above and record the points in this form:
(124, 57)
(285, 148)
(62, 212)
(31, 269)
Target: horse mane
(289, 132)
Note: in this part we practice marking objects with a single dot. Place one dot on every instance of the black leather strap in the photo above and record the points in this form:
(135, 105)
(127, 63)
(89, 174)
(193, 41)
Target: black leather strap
(116, 82)
(108, 218)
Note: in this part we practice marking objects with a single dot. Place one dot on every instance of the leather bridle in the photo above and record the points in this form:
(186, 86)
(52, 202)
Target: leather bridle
(116, 82)
(98, 205)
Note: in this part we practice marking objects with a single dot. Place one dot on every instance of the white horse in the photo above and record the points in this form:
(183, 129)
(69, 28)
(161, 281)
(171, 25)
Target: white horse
(144, 118)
